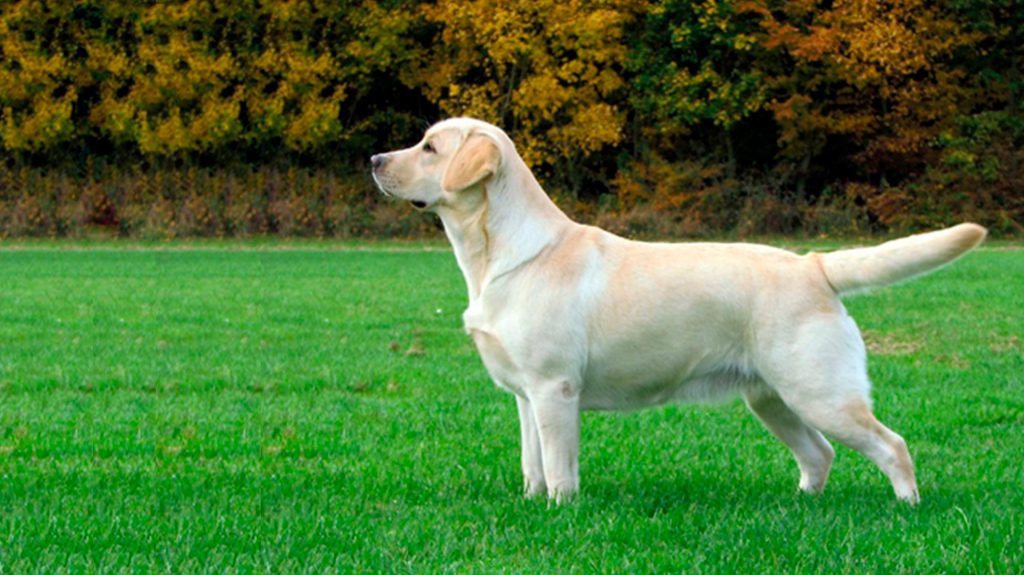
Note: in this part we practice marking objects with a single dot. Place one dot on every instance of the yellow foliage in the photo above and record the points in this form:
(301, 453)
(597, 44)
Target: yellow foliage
(36, 109)
(546, 69)
(45, 124)
(180, 77)
(166, 135)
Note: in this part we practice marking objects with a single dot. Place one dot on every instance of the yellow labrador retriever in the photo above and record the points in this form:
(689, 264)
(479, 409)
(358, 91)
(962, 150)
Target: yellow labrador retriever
(570, 317)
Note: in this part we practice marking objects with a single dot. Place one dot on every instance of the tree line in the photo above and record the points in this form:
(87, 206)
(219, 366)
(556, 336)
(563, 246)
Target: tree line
(652, 117)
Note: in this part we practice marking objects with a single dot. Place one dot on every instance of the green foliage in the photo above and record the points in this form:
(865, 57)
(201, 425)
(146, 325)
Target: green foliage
(694, 63)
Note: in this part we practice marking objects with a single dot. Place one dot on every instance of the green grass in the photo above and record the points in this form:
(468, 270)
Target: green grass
(313, 410)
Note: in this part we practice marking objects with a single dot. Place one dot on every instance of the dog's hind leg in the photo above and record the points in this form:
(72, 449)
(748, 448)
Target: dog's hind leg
(824, 380)
(853, 425)
(812, 451)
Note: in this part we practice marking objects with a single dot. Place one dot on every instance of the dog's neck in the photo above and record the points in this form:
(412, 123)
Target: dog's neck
(511, 222)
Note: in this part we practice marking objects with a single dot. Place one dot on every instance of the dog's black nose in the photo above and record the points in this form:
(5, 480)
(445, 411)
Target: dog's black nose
(377, 160)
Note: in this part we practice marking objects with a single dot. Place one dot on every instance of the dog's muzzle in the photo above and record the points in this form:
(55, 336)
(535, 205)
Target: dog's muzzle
(377, 163)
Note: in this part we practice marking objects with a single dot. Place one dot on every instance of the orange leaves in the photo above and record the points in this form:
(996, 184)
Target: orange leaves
(874, 72)
(687, 190)
(892, 52)
(791, 108)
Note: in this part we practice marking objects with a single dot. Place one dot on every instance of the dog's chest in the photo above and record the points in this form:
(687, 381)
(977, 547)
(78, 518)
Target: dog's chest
(494, 353)
(499, 364)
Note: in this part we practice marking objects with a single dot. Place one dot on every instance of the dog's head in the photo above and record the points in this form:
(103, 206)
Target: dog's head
(454, 159)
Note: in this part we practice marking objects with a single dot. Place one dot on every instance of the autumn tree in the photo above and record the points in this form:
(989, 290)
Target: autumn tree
(37, 77)
(878, 74)
(196, 77)
(694, 66)
(550, 72)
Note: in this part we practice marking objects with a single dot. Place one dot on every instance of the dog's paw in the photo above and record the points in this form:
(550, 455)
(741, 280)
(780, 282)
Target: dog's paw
(910, 495)
(533, 487)
(812, 485)
(562, 493)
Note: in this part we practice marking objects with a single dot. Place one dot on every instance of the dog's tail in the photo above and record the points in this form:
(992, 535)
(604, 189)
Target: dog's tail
(861, 269)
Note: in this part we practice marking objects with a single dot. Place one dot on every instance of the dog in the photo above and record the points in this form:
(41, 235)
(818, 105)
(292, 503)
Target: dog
(569, 317)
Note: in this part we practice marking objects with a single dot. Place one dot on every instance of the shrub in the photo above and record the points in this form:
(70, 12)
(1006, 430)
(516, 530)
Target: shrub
(201, 202)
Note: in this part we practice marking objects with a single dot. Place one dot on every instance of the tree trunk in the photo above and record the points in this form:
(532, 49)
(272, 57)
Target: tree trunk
(730, 165)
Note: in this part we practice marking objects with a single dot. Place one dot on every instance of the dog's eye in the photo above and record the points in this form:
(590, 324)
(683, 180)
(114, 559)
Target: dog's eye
(429, 148)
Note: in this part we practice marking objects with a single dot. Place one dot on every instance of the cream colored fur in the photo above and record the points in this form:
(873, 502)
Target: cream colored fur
(570, 317)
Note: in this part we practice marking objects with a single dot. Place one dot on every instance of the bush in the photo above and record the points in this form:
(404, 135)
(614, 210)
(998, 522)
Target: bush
(201, 202)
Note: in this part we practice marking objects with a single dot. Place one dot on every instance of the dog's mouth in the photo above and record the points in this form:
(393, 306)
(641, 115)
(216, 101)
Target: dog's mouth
(419, 205)
(382, 185)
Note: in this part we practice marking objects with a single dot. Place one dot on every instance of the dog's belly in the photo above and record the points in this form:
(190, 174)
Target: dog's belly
(621, 350)
(695, 381)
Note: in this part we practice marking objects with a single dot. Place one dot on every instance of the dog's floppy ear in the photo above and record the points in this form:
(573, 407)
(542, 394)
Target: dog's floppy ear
(475, 161)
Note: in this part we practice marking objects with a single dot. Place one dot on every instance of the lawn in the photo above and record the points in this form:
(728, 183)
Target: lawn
(310, 410)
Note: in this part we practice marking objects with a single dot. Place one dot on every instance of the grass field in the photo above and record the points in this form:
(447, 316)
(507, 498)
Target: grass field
(310, 410)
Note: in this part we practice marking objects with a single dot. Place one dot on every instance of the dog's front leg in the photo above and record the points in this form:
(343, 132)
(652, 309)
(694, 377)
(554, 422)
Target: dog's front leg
(533, 463)
(556, 413)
